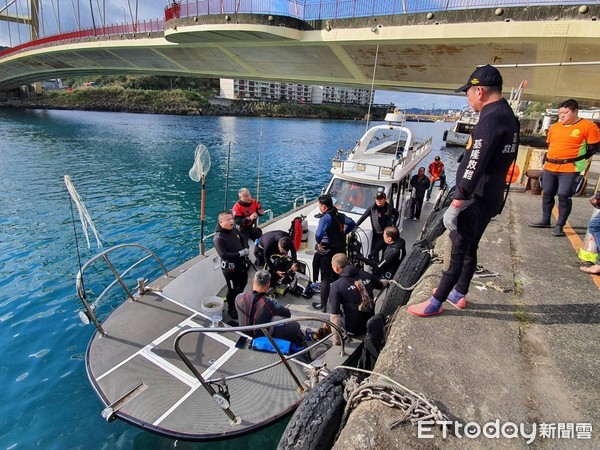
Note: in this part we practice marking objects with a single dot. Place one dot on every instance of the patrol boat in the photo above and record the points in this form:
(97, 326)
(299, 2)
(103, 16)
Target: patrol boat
(459, 135)
(165, 361)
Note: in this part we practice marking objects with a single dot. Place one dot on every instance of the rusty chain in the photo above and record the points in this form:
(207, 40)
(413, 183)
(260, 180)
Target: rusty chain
(415, 407)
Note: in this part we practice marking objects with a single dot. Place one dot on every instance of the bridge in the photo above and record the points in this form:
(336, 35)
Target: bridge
(555, 46)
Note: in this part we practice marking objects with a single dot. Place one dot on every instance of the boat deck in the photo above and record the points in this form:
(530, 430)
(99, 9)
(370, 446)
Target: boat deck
(135, 369)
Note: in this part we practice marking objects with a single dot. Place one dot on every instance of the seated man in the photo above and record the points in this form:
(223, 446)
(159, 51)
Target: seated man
(246, 212)
(272, 249)
(255, 308)
(394, 251)
(351, 296)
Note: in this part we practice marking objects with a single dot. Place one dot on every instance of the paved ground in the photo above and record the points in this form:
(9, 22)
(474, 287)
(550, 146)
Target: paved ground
(525, 350)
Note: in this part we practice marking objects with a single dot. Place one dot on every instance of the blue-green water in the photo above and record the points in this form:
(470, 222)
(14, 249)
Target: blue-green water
(132, 171)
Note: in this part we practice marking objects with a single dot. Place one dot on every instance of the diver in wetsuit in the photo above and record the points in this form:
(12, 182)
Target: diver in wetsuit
(232, 247)
(334, 225)
(394, 251)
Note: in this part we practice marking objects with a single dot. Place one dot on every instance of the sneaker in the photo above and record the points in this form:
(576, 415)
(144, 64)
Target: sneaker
(317, 306)
(558, 231)
(540, 224)
(417, 219)
(460, 304)
(420, 309)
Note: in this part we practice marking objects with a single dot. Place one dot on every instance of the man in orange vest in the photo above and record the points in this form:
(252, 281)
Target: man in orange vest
(571, 141)
(436, 172)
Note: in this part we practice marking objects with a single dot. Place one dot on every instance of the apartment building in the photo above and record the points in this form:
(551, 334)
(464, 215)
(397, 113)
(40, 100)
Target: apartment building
(292, 92)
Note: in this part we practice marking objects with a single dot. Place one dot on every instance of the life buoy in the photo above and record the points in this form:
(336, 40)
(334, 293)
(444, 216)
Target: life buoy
(297, 232)
(513, 173)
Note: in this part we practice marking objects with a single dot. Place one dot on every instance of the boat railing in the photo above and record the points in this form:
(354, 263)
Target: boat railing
(221, 396)
(268, 212)
(301, 197)
(90, 309)
(203, 243)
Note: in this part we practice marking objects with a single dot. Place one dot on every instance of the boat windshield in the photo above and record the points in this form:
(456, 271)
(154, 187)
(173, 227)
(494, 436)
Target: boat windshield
(352, 196)
(466, 128)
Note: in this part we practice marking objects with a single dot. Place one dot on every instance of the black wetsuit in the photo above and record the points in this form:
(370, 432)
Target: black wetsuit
(337, 226)
(268, 245)
(255, 308)
(393, 255)
(480, 181)
(383, 217)
(228, 244)
(420, 185)
(344, 298)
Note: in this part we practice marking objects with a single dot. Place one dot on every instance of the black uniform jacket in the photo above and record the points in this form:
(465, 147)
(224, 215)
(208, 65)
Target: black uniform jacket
(344, 298)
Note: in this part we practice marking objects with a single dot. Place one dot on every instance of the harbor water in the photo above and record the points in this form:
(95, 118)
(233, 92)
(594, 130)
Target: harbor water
(132, 172)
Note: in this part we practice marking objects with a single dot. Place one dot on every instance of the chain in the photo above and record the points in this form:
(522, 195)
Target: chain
(414, 407)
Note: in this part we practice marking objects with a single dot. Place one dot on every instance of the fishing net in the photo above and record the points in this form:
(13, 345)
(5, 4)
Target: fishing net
(201, 163)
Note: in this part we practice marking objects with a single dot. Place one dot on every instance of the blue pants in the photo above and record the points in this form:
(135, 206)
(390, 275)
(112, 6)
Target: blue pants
(594, 229)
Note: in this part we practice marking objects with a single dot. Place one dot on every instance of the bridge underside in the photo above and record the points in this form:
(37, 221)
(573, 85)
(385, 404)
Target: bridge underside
(556, 49)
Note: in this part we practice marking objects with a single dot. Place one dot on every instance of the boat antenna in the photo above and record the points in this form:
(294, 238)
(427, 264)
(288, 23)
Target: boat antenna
(227, 176)
(372, 96)
(198, 172)
(258, 179)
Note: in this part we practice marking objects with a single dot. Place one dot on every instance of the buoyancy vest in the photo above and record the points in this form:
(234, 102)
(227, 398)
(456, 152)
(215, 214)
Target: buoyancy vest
(335, 231)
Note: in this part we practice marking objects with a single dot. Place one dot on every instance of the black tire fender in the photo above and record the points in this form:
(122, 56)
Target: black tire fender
(409, 272)
(315, 423)
(445, 136)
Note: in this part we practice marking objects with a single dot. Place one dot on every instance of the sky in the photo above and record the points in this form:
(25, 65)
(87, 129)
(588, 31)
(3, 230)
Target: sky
(404, 100)
(117, 11)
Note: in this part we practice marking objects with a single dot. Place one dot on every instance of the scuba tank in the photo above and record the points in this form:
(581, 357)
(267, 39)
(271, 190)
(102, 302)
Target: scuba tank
(296, 232)
(304, 240)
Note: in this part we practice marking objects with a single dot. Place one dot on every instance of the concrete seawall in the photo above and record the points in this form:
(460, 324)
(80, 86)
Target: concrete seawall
(524, 351)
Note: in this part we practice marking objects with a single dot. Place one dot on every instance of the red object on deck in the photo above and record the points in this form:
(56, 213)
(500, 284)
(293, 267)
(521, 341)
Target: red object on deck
(297, 233)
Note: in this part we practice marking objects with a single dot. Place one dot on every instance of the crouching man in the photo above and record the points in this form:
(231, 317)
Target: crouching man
(351, 296)
(255, 308)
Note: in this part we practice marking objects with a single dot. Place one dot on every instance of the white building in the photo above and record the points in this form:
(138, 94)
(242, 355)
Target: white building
(292, 92)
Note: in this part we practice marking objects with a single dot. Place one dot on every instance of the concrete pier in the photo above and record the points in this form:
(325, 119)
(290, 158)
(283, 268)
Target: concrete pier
(524, 351)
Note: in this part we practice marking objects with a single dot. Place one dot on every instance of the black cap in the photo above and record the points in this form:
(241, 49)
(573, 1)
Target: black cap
(483, 76)
(437, 158)
(380, 195)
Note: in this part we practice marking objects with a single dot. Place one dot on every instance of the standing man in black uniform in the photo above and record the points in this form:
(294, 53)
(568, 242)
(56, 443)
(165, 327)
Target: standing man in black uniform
(331, 239)
(480, 184)
(382, 215)
(419, 184)
(232, 247)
